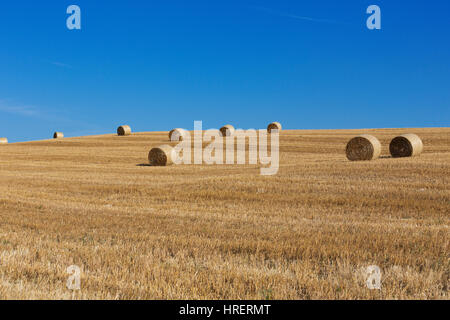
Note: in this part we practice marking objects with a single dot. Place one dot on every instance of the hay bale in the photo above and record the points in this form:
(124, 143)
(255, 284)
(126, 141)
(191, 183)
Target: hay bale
(58, 135)
(363, 147)
(3, 141)
(124, 131)
(178, 134)
(161, 156)
(406, 145)
(274, 125)
(227, 130)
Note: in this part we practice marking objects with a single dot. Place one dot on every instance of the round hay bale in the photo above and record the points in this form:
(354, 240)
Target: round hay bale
(406, 145)
(124, 131)
(363, 147)
(274, 125)
(161, 156)
(58, 135)
(3, 141)
(227, 130)
(177, 134)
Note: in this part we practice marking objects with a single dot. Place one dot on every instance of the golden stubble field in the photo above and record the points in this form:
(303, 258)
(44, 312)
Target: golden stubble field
(224, 231)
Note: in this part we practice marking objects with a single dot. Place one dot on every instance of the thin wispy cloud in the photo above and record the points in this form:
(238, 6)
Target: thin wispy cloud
(57, 116)
(6, 106)
(28, 111)
(294, 16)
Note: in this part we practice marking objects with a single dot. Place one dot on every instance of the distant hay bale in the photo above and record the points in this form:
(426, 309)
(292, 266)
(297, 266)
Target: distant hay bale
(58, 135)
(161, 156)
(3, 141)
(227, 130)
(178, 134)
(363, 147)
(124, 130)
(406, 145)
(274, 125)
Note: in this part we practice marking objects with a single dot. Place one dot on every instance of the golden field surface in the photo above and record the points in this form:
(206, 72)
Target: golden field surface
(224, 231)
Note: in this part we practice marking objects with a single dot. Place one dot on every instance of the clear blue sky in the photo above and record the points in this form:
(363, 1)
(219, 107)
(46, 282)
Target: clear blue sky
(161, 64)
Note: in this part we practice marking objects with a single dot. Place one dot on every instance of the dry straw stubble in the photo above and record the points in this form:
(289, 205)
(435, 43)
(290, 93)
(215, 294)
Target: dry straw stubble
(124, 130)
(161, 156)
(406, 145)
(194, 230)
(363, 147)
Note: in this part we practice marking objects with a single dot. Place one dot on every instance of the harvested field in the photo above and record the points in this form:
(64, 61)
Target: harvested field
(224, 231)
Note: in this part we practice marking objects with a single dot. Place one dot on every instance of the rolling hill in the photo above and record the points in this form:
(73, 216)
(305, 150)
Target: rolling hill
(224, 231)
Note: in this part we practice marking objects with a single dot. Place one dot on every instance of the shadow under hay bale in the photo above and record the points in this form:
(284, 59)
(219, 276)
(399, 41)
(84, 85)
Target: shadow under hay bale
(58, 135)
(161, 156)
(227, 130)
(274, 125)
(406, 145)
(124, 130)
(363, 147)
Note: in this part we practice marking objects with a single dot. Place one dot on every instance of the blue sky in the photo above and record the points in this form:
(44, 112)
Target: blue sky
(160, 64)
